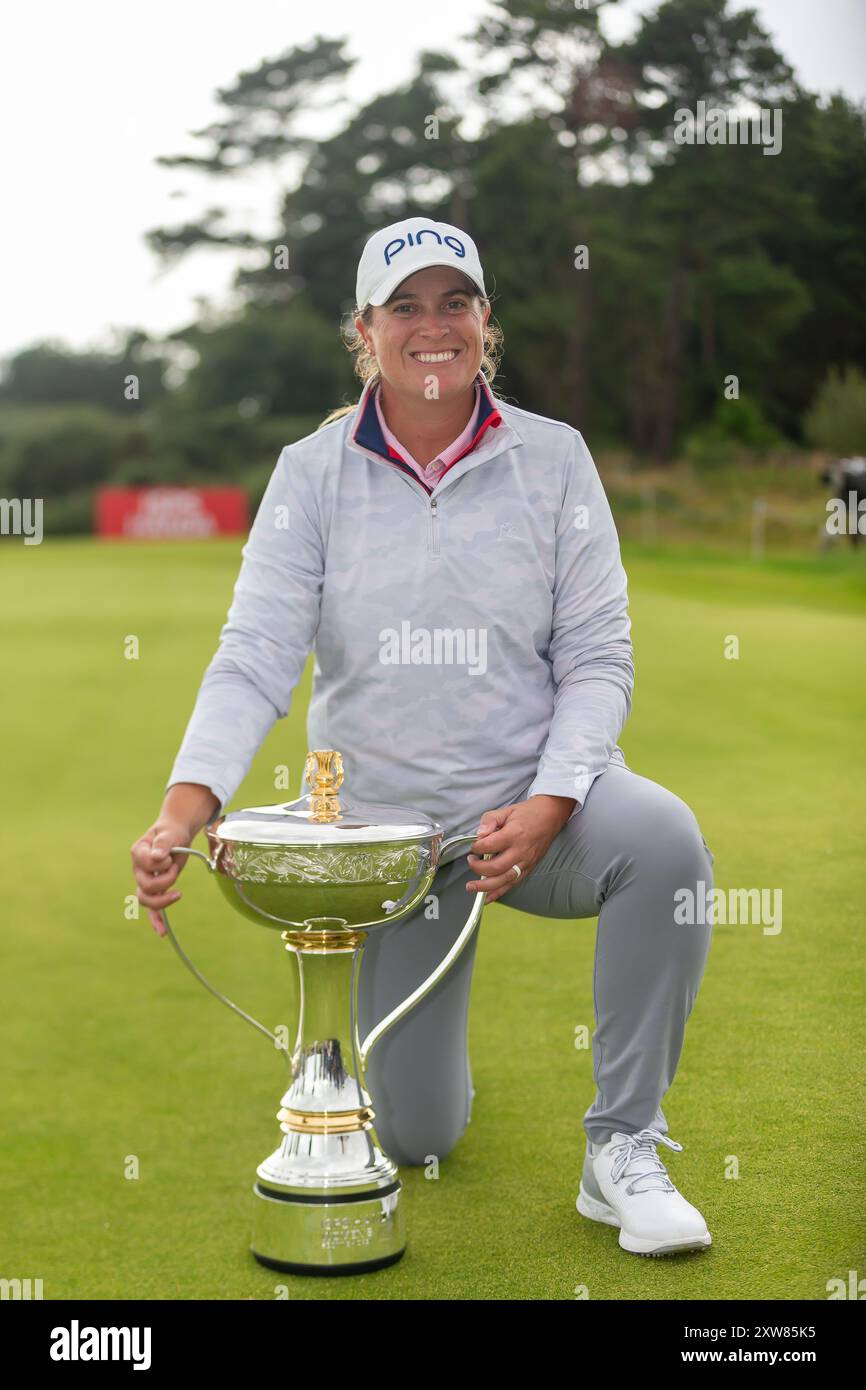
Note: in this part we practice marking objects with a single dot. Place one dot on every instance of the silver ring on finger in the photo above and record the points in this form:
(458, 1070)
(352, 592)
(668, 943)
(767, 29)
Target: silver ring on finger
(516, 870)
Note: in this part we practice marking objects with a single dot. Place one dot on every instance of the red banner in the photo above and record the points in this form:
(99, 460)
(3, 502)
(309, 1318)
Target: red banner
(170, 513)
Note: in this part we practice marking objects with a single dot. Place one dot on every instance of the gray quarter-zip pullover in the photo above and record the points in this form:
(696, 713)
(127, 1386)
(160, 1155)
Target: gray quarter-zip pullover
(472, 640)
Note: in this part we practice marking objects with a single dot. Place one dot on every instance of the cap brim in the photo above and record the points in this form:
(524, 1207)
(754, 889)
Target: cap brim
(387, 288)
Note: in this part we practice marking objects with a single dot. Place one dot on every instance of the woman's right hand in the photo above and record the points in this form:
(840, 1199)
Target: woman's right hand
(154, 868)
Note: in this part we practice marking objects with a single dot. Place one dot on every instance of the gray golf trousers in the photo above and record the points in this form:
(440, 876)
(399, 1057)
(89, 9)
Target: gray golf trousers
(623, 856)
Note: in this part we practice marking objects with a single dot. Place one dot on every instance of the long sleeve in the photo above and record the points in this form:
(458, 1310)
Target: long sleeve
(590, 648)
(265, 641)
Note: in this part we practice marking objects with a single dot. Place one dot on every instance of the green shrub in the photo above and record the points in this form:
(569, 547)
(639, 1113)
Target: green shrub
(736, 431)
(836, 419)
(53, 450)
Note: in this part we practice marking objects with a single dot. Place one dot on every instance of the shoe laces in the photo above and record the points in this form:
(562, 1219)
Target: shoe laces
(636, 1158)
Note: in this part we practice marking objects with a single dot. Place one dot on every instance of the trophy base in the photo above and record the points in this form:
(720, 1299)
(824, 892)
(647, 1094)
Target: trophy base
(328, 1233)
(331, 1270)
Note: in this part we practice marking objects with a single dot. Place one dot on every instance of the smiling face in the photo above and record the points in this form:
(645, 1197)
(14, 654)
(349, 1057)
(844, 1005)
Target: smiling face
(431, 326)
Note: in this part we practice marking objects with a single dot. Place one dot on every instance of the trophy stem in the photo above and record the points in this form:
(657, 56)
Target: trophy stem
(327, 1074)
(327, 1200)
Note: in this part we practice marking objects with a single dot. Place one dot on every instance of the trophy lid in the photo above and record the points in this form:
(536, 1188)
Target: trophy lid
(321, 817)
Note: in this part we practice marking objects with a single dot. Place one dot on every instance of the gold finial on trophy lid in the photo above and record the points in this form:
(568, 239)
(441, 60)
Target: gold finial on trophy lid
(324, 772)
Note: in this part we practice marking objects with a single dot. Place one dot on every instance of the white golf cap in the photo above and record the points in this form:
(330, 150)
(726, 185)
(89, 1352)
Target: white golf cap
(413, 244)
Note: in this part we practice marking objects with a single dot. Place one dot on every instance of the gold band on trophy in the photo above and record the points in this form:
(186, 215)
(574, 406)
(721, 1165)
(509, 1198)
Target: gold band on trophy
(325, 1122)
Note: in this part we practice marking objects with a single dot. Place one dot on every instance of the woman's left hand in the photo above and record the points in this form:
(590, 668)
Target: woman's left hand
(519, 834)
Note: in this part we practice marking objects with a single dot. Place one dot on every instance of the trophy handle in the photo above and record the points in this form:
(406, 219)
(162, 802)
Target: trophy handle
(435, 976)
(248, 1018)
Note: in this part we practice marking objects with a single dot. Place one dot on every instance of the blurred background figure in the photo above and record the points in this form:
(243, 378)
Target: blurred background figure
(846, 479)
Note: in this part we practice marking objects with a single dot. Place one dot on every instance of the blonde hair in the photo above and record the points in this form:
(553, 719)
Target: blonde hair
(367, 368)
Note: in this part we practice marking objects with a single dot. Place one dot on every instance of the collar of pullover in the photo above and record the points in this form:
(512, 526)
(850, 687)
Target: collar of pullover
(367, 432)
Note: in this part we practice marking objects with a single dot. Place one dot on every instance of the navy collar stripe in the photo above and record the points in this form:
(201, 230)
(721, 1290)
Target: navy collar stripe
(408, 470)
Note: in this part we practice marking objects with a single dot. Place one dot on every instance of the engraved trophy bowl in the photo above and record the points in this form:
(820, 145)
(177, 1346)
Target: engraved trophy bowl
(325, 870)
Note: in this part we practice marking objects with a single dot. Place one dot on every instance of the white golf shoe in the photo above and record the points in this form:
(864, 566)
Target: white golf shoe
(625, 1184)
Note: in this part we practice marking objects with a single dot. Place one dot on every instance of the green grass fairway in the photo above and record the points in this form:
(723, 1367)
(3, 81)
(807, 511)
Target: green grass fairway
(112, 1050)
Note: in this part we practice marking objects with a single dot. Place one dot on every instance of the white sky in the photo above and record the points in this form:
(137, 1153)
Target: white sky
(118, 85)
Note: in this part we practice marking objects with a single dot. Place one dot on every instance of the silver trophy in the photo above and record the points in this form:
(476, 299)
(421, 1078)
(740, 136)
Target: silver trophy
(326, 870)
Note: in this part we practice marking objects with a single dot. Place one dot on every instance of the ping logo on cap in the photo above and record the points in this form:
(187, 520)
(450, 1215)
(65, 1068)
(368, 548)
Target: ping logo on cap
(394, 247)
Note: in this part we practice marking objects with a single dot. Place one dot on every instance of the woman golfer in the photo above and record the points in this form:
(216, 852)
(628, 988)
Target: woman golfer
(454, 564)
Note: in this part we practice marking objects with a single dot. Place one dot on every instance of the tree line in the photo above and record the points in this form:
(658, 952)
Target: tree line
(637, 273)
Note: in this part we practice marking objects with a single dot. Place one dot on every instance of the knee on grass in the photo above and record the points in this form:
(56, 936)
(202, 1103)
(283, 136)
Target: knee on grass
(419, 1154)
